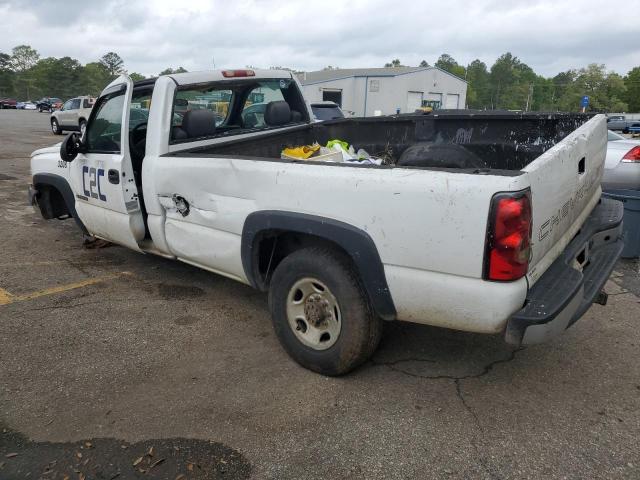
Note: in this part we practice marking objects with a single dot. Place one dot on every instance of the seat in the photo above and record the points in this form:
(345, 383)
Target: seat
(277, 113)
(177, 133)
(199, 123)
(296, 116)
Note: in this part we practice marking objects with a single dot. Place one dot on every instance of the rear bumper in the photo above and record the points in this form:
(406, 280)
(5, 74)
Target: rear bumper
(574, 281)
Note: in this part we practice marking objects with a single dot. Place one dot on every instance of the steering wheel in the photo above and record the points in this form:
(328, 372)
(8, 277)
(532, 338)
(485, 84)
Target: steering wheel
(135, 135)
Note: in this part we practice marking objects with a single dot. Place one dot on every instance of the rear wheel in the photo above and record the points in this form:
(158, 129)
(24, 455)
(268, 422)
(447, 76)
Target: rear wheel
(83, 126)
(55, 127)
(321, 313)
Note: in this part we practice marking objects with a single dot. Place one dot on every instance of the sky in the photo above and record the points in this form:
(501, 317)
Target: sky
(549, 35)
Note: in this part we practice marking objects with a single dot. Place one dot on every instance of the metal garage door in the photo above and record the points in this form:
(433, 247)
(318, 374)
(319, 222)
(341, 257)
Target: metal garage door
(414, 101)
(452, 101)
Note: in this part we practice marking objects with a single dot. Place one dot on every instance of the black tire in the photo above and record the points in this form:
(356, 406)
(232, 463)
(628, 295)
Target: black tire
(626, 130)
(55, 127)
(360, 328)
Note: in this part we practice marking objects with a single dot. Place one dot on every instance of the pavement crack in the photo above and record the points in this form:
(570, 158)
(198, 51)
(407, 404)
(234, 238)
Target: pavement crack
(393, 365)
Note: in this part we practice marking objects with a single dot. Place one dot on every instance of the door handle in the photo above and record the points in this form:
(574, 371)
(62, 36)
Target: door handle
(114, 176)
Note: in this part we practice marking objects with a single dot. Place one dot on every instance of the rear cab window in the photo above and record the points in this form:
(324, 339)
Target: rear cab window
(233, 107)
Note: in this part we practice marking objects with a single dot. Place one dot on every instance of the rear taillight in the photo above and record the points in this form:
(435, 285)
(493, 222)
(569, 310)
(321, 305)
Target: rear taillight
(632, 155)
(238, 73)
(508, 243)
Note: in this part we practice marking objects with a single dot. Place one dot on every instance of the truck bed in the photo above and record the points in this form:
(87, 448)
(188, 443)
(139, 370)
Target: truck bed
(500, 140)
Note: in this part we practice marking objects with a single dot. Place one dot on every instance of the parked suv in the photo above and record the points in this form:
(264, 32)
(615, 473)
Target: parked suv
(72, 116)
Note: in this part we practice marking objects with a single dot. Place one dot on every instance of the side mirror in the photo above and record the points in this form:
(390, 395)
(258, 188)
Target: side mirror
(70, 147)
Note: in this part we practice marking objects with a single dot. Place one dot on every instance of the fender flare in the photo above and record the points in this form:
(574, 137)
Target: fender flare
(61, 184)
(354, 241)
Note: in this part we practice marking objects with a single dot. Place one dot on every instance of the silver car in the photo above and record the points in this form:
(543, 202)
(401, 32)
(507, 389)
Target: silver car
(622, 165)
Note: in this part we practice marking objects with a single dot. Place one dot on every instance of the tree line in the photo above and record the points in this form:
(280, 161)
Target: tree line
(24, 75)
(511, 84)
(508, 84)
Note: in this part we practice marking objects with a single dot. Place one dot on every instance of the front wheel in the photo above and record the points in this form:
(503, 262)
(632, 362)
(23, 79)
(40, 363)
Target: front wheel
(321, 313)
(55, 127)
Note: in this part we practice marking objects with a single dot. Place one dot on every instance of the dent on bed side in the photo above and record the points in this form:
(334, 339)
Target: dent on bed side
(353, 241)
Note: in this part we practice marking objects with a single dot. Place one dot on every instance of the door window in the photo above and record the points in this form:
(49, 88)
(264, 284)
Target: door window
(75, 104)
(103, 133)
(67, 105)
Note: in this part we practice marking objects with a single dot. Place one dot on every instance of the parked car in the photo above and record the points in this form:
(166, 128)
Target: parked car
(29, 106)
(326, 111)
(504, 234)
(73, 115)
(48, 104)
(622, 165)
(8, 103)
(621, 124)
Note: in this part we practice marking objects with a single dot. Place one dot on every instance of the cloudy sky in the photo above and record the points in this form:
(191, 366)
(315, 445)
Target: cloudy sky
(549, 35)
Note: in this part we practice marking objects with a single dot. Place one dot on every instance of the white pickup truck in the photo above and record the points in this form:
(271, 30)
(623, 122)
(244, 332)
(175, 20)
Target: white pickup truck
(477, 221)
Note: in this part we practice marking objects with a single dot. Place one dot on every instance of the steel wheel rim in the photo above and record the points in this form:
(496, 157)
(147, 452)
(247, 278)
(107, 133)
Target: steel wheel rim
(54, 126)
(313, 314)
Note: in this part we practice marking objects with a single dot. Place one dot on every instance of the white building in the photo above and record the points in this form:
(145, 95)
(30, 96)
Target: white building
(367, 91)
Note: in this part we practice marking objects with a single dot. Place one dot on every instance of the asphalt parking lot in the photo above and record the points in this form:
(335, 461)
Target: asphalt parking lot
(115, 364)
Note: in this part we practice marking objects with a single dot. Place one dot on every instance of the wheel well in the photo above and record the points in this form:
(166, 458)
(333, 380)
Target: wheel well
(51, 202)
(272, 246)
(80, 120)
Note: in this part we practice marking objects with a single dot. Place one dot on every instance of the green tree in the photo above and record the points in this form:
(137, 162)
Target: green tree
(512, 83)
(95, 77)
(5, 61)
(478, 89)
(23, 57)
(113, 64)
(395, 63)
(169, 71)
(136, 77)
(632, 84)
(447, 63)
(6, 75)
(606, 90)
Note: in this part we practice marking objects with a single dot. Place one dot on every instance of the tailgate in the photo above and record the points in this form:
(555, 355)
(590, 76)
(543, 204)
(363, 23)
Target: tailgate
(565, 187)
